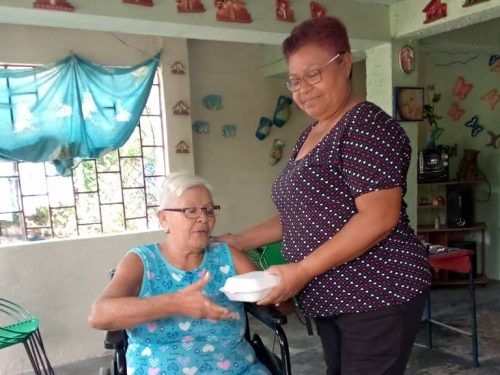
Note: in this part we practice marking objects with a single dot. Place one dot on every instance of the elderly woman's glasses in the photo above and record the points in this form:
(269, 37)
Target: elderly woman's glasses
(195, 212)
(311, 77)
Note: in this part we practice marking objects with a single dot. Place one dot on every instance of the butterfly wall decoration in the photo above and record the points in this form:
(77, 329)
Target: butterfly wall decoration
(493, 97)
(494, 63)
(461, 89)
(493, 140)
(455, 112)
(476, 128)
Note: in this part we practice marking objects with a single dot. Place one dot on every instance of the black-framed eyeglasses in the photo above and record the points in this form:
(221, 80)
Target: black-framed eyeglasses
(195, 212)
(311, 77)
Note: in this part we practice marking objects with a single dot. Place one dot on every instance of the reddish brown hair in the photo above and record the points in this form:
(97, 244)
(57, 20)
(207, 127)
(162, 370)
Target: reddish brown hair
(328, 32)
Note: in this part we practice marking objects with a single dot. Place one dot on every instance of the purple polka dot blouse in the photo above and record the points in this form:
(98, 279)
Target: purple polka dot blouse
(366, 151)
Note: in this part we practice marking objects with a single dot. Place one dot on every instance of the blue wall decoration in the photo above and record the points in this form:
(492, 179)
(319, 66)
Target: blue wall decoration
(228, 130)
(282, 111)
(212, 102)
(276, 151)
(473, 123)
(201, 127)
(264, 128)
(70, 109)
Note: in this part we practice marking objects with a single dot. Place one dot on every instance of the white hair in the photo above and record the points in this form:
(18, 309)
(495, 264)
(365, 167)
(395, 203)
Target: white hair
(176, 183)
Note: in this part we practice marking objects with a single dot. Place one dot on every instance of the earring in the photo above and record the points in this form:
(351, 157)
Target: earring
(166, 231)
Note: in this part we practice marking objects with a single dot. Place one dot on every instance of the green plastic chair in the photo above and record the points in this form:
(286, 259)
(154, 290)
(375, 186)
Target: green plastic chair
(17, 326)
(268, 255)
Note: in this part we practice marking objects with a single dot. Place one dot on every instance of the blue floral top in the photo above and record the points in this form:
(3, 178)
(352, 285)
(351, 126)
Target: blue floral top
(183, 345)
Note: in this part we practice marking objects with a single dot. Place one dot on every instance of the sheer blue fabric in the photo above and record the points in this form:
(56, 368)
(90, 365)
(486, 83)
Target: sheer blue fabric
(70, 109)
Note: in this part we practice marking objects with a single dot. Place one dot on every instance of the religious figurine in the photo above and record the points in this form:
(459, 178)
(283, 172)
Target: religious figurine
(147, 3)
(284, 12)
(434, 11)
(232, 11)
(54, 4)
(177, 68)
(317, 10)
(190, 6)
(181, 108)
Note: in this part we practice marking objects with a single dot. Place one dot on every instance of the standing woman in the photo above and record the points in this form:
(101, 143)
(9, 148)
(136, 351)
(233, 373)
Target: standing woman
(355, 263)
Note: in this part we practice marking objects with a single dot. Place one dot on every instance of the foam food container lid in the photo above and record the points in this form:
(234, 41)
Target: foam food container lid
(249, 287)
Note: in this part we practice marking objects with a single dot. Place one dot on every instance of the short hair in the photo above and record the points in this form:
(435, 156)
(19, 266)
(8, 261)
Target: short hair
(176, 183)
(328, 32)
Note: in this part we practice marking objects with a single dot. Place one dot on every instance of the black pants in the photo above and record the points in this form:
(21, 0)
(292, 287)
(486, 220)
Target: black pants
(371, 343)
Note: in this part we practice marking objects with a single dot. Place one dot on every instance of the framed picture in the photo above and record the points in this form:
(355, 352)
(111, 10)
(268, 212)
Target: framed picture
(409, 103)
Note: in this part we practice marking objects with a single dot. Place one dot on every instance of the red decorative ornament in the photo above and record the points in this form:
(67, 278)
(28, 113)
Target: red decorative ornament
(190, 6)
(232, 11)
(54, 5)
(317, 10)
(284, 12)
(434, 11)
(147, 3)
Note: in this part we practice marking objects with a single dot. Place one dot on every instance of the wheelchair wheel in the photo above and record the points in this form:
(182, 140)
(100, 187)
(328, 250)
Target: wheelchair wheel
(104, 371)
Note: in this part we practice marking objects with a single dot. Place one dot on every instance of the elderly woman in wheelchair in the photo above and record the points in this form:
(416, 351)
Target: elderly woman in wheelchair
(166, 295)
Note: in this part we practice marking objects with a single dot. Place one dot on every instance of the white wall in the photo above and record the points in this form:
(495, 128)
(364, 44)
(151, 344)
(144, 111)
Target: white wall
(238, 167)
(57, 281)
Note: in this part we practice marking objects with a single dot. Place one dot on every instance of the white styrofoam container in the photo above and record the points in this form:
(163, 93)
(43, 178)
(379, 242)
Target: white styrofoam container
(249, 287)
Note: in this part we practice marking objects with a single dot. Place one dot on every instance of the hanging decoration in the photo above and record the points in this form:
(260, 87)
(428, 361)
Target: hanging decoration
(434, 10)
(232, 11)
(182, 148)
(177, 68)
(212, 102)
(54, 5)
(455, 112)
(493, 97)
(317, 10)
(473, 124)
(71, 109)
(147, 3)
(493, 141)
(181, 109)
(284, 11)
(469, 3)
(190, 6)
(282, 111)
(201, 127)
(228, 130)
(276, 152)
(494, 63)
(264, 128)
(461, 89)
(407, 59)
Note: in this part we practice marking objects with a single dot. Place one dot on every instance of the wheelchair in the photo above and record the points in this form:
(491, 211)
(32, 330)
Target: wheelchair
(277, 364)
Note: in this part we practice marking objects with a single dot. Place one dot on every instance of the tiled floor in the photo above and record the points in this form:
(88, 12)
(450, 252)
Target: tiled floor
(451, 354)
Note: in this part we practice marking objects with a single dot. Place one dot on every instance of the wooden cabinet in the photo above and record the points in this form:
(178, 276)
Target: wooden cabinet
(446, 216)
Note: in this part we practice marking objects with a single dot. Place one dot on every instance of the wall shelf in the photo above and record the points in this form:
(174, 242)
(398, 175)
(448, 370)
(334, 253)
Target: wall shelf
(436, 226)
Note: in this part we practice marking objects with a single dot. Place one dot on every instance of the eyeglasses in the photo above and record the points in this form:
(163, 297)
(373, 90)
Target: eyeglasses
(195, 212)
(311, 77)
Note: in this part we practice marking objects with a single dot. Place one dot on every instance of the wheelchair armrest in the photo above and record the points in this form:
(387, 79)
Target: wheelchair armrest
(115, 340)
(266, 314)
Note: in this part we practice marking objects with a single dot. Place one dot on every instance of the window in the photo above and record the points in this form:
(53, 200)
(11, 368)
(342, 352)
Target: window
(115, 193)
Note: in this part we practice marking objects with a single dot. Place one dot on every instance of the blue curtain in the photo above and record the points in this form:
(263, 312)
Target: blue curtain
(70, 109)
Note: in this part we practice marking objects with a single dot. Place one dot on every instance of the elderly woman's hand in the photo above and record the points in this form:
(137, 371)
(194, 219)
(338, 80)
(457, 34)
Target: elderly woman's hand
(293, 278)
(194, 303)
